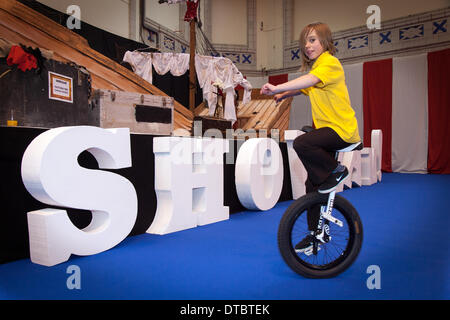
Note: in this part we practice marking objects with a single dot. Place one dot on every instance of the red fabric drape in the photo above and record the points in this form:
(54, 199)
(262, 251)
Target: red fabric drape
(439, 111)
(377, 105)
(278, 79)
(23, 60)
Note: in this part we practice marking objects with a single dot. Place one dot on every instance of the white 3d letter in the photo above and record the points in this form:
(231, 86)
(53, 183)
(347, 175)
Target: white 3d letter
(188, 183)
(371, 160)
(296, 167)
(259, 174)
(377, 145)
(52, 175)
(352, 160)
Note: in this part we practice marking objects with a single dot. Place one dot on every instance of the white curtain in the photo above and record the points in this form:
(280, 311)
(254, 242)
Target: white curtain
(141, 63)
(410, 114)
(175, 63)
(144, 62)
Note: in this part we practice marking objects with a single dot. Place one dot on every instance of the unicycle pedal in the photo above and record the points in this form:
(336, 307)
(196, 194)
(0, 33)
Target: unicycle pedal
(312, 250)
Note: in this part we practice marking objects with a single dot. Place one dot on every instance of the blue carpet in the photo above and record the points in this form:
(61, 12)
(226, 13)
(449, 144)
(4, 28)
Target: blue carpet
(405, 219)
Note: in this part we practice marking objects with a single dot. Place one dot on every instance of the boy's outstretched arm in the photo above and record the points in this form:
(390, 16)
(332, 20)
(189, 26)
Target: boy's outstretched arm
(303, 82)
(287, 94)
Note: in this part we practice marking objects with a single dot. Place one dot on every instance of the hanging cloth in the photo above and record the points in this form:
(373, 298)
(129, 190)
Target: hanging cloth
(141, 63)
(210, 70)
(221, 71)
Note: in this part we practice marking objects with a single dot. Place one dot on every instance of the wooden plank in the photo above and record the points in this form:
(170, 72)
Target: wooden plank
(273, 117)
(278, 108)
(254, 110)
(277, 122)
(273, 112)
(284, 105)
(248, 106)
(266, 104)
(100, 83)
(245, 109)
(200, 109)
(250, 113)
(185, 123)
(252, 122)
(280, 120)
(257, 96)
(285, 122)
(284, 126)
(267, 113)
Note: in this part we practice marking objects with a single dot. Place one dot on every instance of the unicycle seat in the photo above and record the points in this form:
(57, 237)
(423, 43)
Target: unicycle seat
(353, 147)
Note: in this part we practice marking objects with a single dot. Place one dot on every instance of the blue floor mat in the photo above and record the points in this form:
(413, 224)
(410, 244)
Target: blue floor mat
(405, 219)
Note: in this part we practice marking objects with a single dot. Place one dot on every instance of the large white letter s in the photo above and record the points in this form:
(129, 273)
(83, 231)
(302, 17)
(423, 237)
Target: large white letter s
(52, 175)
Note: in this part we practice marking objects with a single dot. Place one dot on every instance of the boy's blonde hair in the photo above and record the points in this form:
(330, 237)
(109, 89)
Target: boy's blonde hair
(325, 38)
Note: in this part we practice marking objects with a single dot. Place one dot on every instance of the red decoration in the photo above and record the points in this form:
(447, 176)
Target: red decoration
(22, 59)
(191, 12)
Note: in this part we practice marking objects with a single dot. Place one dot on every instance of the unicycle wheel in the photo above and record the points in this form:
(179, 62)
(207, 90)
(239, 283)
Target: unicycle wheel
(324, 259)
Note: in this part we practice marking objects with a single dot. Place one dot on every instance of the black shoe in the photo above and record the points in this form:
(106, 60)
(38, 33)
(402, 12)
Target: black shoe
(333, 181)
(306, 243)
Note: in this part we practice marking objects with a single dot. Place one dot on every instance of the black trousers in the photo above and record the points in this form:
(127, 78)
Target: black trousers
(317, 151)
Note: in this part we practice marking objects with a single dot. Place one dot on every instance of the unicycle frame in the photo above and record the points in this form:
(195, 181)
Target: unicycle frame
(327, 214)
(323, 233)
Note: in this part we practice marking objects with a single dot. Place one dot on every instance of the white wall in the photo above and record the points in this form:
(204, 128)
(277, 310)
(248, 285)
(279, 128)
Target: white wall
(269, 35)
(167, 15)
(229, 22)
(109, 15)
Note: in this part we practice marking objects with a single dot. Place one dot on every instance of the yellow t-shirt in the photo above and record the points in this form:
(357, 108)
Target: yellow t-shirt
(330, 102)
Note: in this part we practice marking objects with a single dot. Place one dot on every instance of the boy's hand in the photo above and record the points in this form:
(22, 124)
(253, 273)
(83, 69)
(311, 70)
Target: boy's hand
(268, 89)
(279, 97)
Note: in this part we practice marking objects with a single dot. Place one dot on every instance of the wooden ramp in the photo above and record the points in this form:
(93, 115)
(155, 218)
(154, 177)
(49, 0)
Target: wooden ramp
(20, 24)
(262, 113)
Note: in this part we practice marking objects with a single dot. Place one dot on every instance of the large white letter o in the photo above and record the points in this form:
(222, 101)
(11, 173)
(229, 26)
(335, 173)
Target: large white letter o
(259, 173)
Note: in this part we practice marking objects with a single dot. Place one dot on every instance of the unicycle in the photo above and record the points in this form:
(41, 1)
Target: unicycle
(333, 245)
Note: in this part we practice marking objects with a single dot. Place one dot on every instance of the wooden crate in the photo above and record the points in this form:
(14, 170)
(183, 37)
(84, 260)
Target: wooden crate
(142, 113)
(212, 123)
(26, 96)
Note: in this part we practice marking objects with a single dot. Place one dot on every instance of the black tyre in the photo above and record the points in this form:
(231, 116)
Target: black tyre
(332, 257)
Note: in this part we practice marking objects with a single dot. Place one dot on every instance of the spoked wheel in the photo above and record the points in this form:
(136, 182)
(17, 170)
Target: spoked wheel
(327, 256)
